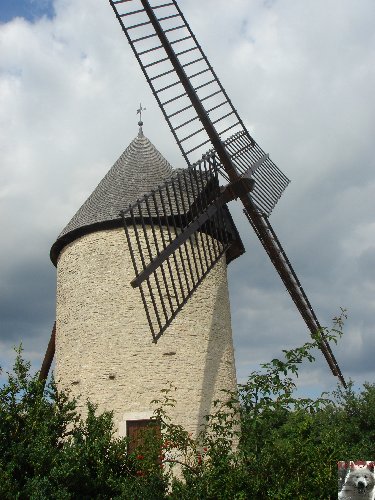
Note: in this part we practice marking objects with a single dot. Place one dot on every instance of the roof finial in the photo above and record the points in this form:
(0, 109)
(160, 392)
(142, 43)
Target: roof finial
(140, 123)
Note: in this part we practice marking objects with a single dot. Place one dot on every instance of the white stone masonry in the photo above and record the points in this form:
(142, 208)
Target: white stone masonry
(104, 349)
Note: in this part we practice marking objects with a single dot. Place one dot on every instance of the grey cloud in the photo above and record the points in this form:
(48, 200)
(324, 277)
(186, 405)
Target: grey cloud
(27, 299)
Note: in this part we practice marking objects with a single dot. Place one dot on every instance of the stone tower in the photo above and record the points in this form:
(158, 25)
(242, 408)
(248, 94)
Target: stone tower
(104, 350)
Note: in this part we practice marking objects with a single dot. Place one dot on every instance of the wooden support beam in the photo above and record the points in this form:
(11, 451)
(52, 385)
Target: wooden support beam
(48, 357)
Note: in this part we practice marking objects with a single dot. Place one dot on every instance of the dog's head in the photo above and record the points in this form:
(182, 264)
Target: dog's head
(362, 476)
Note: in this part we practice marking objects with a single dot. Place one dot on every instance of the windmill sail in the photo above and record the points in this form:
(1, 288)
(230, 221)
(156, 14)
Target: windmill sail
(192, 99)
(176, 234)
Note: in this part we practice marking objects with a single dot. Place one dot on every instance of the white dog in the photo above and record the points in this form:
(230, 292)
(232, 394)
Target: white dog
(359, 483)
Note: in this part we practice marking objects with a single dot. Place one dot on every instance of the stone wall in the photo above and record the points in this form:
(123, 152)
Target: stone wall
(104, 349)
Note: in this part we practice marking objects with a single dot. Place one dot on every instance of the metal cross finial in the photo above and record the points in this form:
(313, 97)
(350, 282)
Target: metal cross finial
(139, 111)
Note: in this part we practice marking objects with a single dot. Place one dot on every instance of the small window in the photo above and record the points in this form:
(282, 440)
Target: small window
(136, 431)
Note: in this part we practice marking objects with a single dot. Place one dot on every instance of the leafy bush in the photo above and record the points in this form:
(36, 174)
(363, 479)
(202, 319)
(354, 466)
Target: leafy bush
(263, 442)
(47, 452)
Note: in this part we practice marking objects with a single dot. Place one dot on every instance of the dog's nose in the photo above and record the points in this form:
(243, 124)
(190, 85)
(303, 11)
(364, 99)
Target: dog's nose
(361, 485)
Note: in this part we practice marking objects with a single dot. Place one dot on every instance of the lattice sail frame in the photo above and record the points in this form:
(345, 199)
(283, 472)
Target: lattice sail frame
(168, 270)
(190, 94)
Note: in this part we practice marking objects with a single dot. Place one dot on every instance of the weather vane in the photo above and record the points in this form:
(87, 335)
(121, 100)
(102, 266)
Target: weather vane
(139, 111)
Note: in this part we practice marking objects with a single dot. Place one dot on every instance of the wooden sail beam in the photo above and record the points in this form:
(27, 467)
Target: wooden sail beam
(48, 357)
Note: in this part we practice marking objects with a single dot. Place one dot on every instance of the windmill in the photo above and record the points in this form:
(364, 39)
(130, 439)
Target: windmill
(180, 231)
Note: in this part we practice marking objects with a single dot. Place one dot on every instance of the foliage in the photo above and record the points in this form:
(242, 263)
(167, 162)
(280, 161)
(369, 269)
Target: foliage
(264, 442)
(46, 451)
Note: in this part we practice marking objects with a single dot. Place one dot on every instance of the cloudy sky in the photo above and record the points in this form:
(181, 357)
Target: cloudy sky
(302, 76)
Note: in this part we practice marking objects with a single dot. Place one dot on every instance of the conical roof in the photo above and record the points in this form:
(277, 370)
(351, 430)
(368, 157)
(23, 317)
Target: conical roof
(140, 168)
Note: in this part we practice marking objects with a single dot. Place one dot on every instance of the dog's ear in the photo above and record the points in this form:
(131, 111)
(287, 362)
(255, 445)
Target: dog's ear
(351, 464)
(371, 466)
